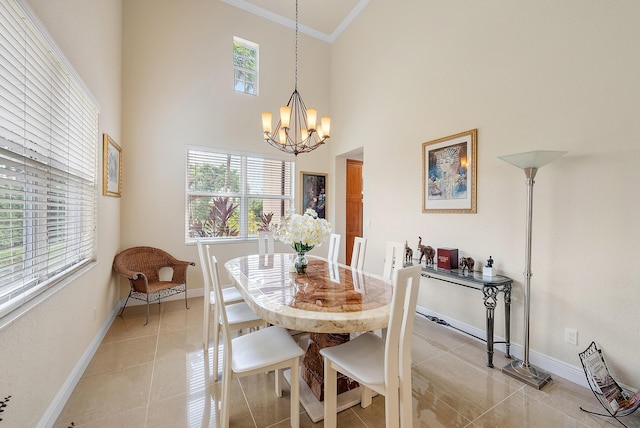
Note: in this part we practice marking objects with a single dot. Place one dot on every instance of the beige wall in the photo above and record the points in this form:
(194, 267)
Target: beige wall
(529, 75)
(547, 75)
(178, 91)
(40, 349)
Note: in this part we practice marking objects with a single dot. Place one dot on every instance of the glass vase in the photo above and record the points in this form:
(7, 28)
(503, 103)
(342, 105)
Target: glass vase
(300, 263)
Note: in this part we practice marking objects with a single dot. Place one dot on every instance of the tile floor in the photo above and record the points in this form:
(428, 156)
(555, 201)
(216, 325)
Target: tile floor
(154, 376)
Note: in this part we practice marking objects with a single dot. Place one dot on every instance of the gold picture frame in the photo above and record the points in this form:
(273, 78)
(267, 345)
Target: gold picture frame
(111, 167)
(313, 193)
(449, 174)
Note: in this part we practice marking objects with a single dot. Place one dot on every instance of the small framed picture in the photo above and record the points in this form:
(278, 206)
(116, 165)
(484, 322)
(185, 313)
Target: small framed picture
(111, 168)
(449, 174)
(313, 193)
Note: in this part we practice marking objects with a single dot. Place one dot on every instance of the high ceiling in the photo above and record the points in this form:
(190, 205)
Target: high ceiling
(323, 19)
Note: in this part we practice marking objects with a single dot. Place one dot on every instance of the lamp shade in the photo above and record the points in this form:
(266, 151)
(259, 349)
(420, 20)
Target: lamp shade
(535, 159)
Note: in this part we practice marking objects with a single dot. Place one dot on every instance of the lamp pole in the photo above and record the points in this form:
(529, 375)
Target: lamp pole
(530, 162)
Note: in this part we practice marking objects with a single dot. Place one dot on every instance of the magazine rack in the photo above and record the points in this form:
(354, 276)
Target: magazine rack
(617, 401)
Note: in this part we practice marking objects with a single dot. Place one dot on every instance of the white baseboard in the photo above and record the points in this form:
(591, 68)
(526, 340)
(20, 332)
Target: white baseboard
(55, 408)
(545, 362)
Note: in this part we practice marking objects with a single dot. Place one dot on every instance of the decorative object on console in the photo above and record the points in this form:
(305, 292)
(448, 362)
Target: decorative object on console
(530, 162)
(408, 253)
(296, 130)
(303, 233)
(448, 258)
(466, 263)
(425, 251)
(487, 270)
(449, 174)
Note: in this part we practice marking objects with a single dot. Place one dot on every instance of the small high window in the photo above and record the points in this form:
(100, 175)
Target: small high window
(245, 66)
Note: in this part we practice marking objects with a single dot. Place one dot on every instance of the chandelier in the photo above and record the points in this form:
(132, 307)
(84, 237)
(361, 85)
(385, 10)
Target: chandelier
(297, 130)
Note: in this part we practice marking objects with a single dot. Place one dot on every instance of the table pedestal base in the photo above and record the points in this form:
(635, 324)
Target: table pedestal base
(312, 370)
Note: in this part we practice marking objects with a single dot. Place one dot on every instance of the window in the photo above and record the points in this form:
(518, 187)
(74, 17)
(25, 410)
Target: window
(245, 66)
(234, 196)
(48, 147)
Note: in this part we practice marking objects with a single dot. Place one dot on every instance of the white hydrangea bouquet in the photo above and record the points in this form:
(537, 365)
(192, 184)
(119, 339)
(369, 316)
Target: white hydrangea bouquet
(303, 233)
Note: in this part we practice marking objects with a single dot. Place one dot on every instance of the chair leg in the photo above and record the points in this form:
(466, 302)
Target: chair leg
(125, 304)
(205, 326)
(147, 320)
(392, 408)
(295, 393)
(216, 343)
(406, 401)
(224, 401)
(278, 382)
(186, 304)
(330, 395)
(366, 396)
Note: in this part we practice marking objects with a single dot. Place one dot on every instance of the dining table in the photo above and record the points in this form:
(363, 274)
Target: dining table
(330, 301)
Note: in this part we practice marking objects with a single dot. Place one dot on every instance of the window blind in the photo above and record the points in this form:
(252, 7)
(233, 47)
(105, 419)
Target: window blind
(48, 169)
(233, 196)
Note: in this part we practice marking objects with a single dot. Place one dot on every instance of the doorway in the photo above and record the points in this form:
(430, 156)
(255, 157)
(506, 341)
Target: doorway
(353, 212)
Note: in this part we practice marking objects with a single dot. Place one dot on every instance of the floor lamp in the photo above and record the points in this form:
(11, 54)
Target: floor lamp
(530, 162)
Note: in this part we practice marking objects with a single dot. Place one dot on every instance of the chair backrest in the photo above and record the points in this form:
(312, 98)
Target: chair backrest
(334, 247)
(398, 342)
(393, 260)
(220, 312)
(265, 243)
(359, 250)
(204, 266)
(148, 261)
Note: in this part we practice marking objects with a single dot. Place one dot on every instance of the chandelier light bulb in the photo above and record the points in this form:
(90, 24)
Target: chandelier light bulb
(326, 126)
(312, 115)
(266, 123)
(285, 116)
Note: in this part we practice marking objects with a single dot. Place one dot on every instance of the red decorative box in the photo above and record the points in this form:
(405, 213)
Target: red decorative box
(447, 258)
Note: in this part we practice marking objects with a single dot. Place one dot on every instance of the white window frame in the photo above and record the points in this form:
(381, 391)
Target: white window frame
(48, 164)
(243, 70)
(243, 196)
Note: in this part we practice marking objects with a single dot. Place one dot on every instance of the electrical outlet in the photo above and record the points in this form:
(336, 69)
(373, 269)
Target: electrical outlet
(571, 336)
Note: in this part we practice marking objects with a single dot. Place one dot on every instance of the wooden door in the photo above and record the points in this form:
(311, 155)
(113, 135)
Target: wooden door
(353, 204)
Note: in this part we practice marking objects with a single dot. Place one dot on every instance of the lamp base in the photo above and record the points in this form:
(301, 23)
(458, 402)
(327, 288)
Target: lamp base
(531, 375)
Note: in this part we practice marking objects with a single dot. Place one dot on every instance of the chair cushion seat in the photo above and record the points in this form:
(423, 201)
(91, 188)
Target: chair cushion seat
(263, 348)
(240, 313)
(154, 287)
(229, 294)
(364, 356)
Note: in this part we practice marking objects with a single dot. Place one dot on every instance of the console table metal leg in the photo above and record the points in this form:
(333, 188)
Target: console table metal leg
(490, 300)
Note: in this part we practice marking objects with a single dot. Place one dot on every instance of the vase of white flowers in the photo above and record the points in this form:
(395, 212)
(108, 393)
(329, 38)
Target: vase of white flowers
(303, 233)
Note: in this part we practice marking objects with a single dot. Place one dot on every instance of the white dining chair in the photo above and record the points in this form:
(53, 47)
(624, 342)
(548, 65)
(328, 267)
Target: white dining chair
(393, 259)
(266, 243)
(230, 293)
(379, 365)
(359, 250)
(334, 247)
(267, 349)
(240, 316)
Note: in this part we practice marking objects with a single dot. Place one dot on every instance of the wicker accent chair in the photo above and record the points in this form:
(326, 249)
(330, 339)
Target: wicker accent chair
(141, 266)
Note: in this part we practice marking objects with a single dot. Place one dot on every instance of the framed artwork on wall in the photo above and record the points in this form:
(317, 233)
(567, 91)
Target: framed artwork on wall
(449, 174)
(313, 193)
(111, 168)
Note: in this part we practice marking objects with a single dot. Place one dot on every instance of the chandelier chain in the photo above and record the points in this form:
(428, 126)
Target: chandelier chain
(296, 77)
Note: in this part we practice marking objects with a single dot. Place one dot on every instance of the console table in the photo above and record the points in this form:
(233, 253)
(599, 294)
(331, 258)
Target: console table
(490, 287)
